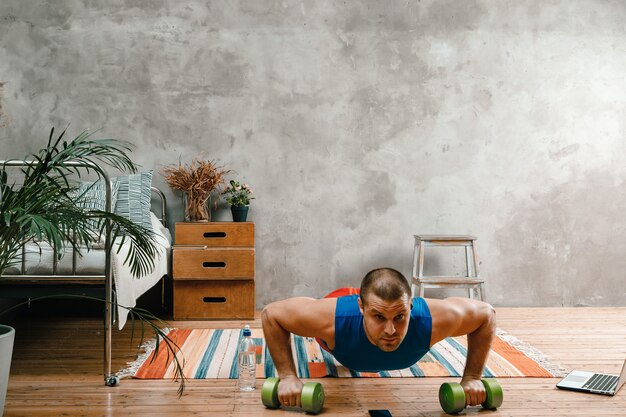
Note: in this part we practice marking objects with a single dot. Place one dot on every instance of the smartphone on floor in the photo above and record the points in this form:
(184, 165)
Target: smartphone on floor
(380, 413)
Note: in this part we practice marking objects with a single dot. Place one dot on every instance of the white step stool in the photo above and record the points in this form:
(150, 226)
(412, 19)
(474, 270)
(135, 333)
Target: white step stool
(470, 281)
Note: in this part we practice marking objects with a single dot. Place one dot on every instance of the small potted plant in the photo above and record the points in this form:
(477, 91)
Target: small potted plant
(197, 181)
(238, 196)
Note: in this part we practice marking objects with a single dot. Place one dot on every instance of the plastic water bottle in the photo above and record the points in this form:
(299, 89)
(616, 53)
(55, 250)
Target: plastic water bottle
(247, 361)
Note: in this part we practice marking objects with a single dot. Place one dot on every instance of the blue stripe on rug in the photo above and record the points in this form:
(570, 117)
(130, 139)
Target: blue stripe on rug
(302, 359)
(463, 351)
(234, 368)
(444, 362)
(457, 346)
(329, 360)
(269, 364)
(207, 357)
(416, 370)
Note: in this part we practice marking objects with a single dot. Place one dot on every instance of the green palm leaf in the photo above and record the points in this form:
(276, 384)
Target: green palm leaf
(45, 208)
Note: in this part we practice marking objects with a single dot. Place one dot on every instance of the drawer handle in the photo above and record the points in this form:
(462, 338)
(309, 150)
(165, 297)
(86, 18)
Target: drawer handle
(214, 234)
(214, 264)
(214, 299)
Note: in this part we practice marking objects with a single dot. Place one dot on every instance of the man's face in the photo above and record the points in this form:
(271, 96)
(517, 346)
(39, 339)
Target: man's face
(385, 322)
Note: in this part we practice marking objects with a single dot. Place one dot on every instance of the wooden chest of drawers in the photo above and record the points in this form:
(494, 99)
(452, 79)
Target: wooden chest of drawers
(213, 270)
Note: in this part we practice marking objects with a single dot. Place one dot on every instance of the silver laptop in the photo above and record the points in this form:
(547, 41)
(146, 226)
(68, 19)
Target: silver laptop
(594, 383)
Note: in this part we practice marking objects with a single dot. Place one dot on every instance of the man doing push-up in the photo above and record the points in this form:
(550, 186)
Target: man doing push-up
(376, 328)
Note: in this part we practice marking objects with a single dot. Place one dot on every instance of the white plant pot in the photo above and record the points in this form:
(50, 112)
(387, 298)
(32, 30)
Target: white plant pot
(7, 335)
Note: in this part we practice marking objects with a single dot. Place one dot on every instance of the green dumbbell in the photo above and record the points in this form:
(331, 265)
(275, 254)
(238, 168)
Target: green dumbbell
(312, 396)
(452, 396)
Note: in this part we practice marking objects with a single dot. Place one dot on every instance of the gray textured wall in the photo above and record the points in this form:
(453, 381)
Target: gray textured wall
(358, 124)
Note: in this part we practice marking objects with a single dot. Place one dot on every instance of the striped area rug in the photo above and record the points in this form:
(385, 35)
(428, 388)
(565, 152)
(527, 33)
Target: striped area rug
(212, 353)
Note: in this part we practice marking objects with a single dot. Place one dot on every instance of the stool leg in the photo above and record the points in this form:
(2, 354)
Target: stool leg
(420, 270)
(420, 266)
(481, 288)
(482, 293)
(470, 291)
(475, 258)
(414, 273)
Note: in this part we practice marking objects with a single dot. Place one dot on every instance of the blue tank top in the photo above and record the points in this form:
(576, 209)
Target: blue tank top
(354, 350)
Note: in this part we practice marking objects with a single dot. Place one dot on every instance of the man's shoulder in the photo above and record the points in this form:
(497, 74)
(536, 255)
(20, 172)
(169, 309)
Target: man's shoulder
(347, 306)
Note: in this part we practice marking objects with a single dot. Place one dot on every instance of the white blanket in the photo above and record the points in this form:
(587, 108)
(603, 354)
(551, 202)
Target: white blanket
(129, 288)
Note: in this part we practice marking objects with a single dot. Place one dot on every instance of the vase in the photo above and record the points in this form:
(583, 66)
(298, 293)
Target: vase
(7, 335)
(196, 209)
(240, 213)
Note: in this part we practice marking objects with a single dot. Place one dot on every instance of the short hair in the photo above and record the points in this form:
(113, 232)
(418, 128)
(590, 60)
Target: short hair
(385, 283)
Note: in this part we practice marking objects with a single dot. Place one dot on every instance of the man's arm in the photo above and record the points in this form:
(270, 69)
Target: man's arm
(303, 316)
(459, 316)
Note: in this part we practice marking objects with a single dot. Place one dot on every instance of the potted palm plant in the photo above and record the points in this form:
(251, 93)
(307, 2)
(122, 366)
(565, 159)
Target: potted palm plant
(45, 208)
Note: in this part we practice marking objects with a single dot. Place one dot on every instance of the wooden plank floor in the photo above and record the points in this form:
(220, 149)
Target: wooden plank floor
(56, 371)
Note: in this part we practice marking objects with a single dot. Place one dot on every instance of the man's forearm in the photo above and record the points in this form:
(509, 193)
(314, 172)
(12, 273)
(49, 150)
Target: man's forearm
(279, 343)
(479, 344)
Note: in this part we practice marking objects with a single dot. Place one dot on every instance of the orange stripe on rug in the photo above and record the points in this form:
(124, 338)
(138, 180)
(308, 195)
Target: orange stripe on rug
(155, 367)
(523, 363)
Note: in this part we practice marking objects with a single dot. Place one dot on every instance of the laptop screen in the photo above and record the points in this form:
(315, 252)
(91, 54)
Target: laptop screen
(622, 377)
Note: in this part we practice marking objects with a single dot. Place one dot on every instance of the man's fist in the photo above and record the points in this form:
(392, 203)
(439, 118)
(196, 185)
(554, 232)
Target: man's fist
(475, 393)
(290, 391)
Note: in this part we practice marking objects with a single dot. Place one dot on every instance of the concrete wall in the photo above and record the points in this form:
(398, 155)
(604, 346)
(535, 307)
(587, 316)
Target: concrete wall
(358, 124)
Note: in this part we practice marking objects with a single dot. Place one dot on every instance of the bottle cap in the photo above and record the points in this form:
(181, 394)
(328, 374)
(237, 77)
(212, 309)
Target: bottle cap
(246, 331)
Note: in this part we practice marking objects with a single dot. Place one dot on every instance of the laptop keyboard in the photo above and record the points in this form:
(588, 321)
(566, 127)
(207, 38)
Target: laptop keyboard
(602, 382)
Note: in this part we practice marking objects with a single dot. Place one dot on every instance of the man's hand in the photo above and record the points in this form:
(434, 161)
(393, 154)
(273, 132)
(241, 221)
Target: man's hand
(302, 316)
(475, 393)
(290, 391)
(458, 316)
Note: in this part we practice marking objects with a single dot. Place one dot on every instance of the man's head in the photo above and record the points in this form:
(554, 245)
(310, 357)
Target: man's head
(385, 303)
